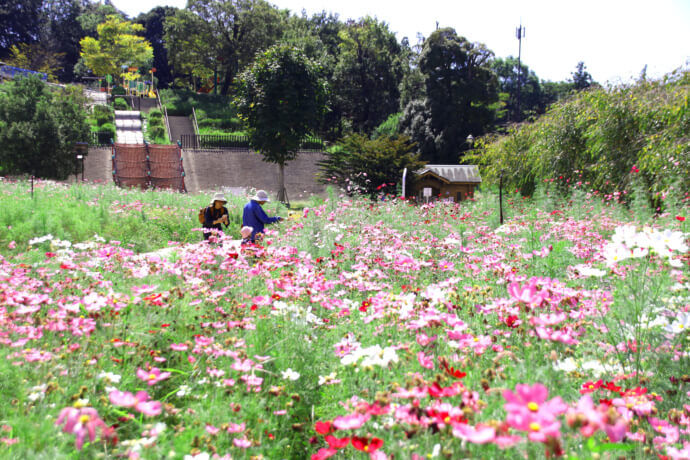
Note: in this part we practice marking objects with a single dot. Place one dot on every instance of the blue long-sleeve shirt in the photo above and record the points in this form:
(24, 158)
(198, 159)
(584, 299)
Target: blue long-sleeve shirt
(254, 216)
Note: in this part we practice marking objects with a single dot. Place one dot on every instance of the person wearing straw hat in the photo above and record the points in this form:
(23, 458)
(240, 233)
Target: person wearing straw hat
(215, 215)
(254, 215)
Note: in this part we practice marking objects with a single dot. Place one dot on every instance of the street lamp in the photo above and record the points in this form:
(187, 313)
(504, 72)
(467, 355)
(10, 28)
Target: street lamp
(470, 140)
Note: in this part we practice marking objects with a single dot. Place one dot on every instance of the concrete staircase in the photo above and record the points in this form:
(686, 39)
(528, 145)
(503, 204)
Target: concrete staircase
(180, 126)
(128, 127)
(146, 104)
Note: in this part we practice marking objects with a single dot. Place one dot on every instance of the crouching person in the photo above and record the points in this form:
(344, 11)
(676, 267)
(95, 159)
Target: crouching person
(255, 217)
(215, 216)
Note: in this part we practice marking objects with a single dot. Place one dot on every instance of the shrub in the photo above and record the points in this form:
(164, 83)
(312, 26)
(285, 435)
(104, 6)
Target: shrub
(121, 104)
(605, 138)
(107, 128)
(39, 127)
(156, 132)
(102, 114)
(118, 91)
(369, 166)
(155, 114)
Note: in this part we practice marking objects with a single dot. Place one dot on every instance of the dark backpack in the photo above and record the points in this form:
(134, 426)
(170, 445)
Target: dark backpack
(202, 217)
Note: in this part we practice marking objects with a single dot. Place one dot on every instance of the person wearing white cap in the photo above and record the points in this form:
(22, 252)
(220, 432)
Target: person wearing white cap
(254, 215)
(215, 215)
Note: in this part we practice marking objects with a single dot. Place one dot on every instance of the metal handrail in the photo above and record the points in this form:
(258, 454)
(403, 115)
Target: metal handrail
(167, 122)
(196, 125)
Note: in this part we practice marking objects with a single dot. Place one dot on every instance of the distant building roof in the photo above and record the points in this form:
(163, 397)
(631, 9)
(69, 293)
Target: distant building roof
(454, 173)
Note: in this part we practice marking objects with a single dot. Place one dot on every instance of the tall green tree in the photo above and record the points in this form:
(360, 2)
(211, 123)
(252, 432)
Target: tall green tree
(20, 22)
(154, 32)
(118, 46)
(39, 127)
(581, 79)
(460, 93)
(368, 74)
(281, 98)
(221, 36)
(61, 32)
(318, 38)
(531, 97)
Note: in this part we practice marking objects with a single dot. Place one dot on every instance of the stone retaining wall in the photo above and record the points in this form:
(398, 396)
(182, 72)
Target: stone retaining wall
(208, 170)
(211, 170)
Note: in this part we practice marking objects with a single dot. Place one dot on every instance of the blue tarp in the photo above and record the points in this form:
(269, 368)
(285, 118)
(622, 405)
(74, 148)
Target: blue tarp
(8, 71)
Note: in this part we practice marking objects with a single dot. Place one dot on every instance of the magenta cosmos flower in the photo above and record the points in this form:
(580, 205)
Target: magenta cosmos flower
(152, 376)
(82, 422)
(528, 410)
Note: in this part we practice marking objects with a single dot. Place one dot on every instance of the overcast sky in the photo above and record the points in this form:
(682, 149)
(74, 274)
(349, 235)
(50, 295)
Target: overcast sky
(614, 38)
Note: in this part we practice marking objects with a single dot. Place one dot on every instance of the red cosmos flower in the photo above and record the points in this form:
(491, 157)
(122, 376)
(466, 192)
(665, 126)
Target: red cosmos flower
(458, 374)
(511, 321)
(367, 445)
(336, 443)
(365, 304)
(634, 170)
(275, 297)
(612, 387)
(639, 391)
(323, 427)
(680, 218)
(50, 254)
(590, 387)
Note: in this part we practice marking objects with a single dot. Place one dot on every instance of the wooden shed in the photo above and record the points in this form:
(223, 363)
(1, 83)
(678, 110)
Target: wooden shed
(446, 182)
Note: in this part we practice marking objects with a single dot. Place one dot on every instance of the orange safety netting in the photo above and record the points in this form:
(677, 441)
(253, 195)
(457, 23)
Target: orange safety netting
(167, 171)
(143, 166)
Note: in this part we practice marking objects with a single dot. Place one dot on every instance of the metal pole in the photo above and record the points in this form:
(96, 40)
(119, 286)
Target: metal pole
(519, 32)
(500, 198)
(82, 168)
(403, 183)
(32, 186)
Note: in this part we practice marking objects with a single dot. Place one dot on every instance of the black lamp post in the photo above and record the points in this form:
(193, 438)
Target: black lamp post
(81, 149)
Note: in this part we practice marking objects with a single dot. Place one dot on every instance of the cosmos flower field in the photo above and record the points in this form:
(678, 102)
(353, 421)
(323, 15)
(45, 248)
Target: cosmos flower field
(360, 329)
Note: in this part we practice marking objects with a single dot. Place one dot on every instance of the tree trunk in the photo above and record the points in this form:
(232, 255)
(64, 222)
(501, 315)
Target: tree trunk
(281, 182)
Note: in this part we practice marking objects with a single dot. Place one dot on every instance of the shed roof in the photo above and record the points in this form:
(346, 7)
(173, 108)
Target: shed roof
(454, 173)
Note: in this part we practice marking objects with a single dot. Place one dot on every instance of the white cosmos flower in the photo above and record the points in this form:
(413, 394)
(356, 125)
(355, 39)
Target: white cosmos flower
(680, 325)
(289, 374)
(567, 365)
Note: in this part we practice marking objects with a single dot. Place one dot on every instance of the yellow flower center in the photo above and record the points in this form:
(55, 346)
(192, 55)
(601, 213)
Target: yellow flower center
(476, 339)
(534, 426)
(366, 448)
(152, 376)
(446, 420)
(84, 418)
(532, 406)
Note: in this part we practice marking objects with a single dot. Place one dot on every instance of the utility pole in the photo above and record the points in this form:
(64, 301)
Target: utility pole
(519, 34)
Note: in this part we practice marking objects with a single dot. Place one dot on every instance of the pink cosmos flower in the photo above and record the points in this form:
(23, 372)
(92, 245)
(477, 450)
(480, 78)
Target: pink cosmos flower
(480, 434)
(679, 454)
(242, 443)
(152, 376)
(528, 410)
(527, 294)
(425, 361)
(235, 428)
(324, 453)
(424, 340)
(350, 421)
(179, 346)
(139, 402)
(82, 423)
